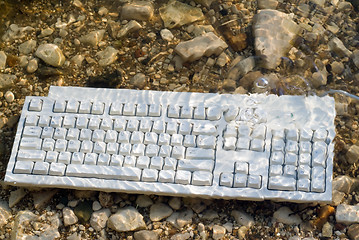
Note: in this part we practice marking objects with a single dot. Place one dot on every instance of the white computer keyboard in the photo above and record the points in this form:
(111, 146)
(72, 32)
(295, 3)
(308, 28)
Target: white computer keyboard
(252, 147)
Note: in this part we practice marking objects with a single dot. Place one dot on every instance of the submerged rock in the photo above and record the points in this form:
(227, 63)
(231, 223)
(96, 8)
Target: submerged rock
(176, 14)
(2, 60)
(130, 27)
(140, 10)
(107, 56)
(6, 80)
(273, 33)
(50, 54)
(93, 38)
(27, 47)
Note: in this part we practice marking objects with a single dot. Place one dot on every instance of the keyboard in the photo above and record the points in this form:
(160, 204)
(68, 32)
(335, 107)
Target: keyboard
(248, 147)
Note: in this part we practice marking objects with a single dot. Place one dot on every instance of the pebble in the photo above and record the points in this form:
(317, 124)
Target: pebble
(319, 79)
(355, 58)
(229, 85)
(16, 196)
(50, 54)
(46, 32)
(241, 67)
(2, 60)
(69, 216)
(159, 211)
(218, 232)
(143, 201)
(175, 203)
(23, 61)
(337, 46)
(9, 96)
(222, 59)
(107, 56)
(166, 35)
(32, 66)
(352, 155)
(43, 197)
(93, 38)
(141, 10)
(77, 60)
(181, 236)
(102, 11)
(347, 214)
(99, 219)
(184, 218)
(176, 14)
(96, 206)
(22, 222)
(286, 216)
(337, 67)
(139, 80)
(337, 197)
(353, 231)
(130, 27)
(5, 213)
(173, 218)
(345, 184)
(105, 199)
(210, 215)
(126, 219)
(198, 47)
(63, 33)
(27, 47)
(267, 4)
(273, 33)
(327, 230)
(243, 218)
(145, 235)
(242, 231)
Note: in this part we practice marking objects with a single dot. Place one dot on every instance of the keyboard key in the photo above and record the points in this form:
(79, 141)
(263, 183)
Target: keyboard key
(59, 106)
(195, 165)
(99, 147)
(204, 141)
(64, 157)
(132, 125)
(156, 163)
(69, 121)
(86, 146)
(202, 178)
(185, 128)
(149, 175)
(57, 169)
(243, 143)
(244, 131)
(277, 158)
(231, 131)
(72, 106)
(111, 136)
(138, 149)
(73, 146)
(98, 108)
(305, 147)
(31, 120)
(199, 113)
(171, 128)
(166, 176)
(125, 149)
(306, 134)
(90, 159)
(169, 164)
(158, 126)
(176, 140)
(231, 113)
(257, 145)
(165, 151)
(81, 122)
(282, 183)
(155, 110)
(278, 145)
(103, 159)
(151, 138)
(48, 144)
(259, 132)
(124, 137)
(106, 124)
(116, 160)
(173, 111)
(292, 134)
(186, 112)
(32, 131)
(229, 143)
(143, 162)
(112, 148)
(204, 129)
(241, 167)
(145, 125)
(60, 133)
(116, 108)
(291, 146)
(189, 141)
(291, 159)
(129, 109)
(41, 168)
(278, 134)
(85, 107)
(199, 153)
(254, 181)
(290, 171)
(320, 135)
(94, 123)
(142, 110)
(304, 172)
(51, 156)
(72, 134)
(164, 139)
(183, 177)
(178, 152)
(214, 113)
(23, 167)
(119, 125)
(44, 121)
(152, 150)
(30, 143)
(275, 170)
(303, 185)
(86, 134)
(35, 105)
(305, 159)
(240, 180)
(77, 158)
(226, 179)
(137, 137)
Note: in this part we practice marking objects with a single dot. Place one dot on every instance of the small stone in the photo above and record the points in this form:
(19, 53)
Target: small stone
(205, 3)
(16, 196)
(337, 67)
(130, 27)
(23, 61)
(27, 47)
(5, 213)
(347, 214)
(319, 79)
(9, 96)
(222, 59)
(42, 198)
(205, 45)
(159, 211)
(242, 231)
(126, 219)
(46, 32)
(327, 230)
(176, 14)
(32, 66)
(181, 236)
(184, 218)
(286, 216)
(243, 218)
(139, 10)
(99, 219)
(63, 33)
(69, 216)
(145, 235)
(337, 197)
(228, 226)
(337, 46)
(239, 68)
(353, 232)
(22, 223)
(218, 232)
(106, 199)
(166, 35)
(107, 56)
(345, 184)
(139, 80)
(173, 218)
(2, 60)
(73, 203)
(50, 54)
(175, 203)
(77, 60)
(143, 201)
(210, 215)
(83, 194)
(229, 85)
(92, 38)
(96, 206)
(267, 4)
(74, 236)
(352, 155)
(102, 11)
(345, 7)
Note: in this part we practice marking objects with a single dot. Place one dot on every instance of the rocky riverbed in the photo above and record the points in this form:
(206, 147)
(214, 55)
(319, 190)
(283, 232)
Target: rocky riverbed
(225, 46)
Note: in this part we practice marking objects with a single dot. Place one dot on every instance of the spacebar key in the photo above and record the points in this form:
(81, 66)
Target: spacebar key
(282, 183)
(106, 172)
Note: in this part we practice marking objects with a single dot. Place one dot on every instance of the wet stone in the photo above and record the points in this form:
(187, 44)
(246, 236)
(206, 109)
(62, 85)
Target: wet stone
(184, 218)
(139, 80)
(166, 35)
(159, 211)
(286, 216)
(46, 32)
(181, 236)
(6, 80)
(218, 232)
(22, 223)
(99, 219)
(319, 79)
(243, 218)
(210, 215)
(69, 216)
(96, 206)
(126, 219)
(130, 27)
(175, 203)
(93, 38)
(327, 230)
(9, 96)
(241, 68)
(145, 235)
(229, 85)
(105, 199)
(139, 10)
(352, 155)
(107, 56)
(27, 47)
(32, 66)
(267, 4)
(50, 54)
(2, 60)
(338, 47)
(337, 67)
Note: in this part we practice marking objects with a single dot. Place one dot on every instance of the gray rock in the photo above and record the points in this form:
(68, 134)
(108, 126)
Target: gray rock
(159, 211)
(218, 232)
(173, 218)
(184, 218)
(126, 219)
(198, 47)
(319, 79)
(241, 68)
(139, 10)
(16, 32)
(345, 184)
(181, 236)
(145, 235)
(63, 33)
(144, 201)
(69, 216)
(107, 56)
(102, 11)
(2, 60)
(23, 61)
(96, 206)
(32, 66)
(5, 213)
(337, 46)
(243, 218)
(286, 216)
(92, 38)
(22, 221)
(175, 203)
(50, 54)
(273, 33)
(46, 32)
(27, 47)
(176, 14)
(222, 59)
(352, 155)
(16, 196)
(99, 219)
(347, 214)
(242, 231)
(130, 27)
(210, 215)
(337, 67)
(267, 4)
(337, 197)
(166, 35)
(139, 80)
(327, 230)
(353, 232)
(43, 197)
(6, 80)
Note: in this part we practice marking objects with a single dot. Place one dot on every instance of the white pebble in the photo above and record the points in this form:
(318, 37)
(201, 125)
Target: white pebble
(9, 96)
(166, 35)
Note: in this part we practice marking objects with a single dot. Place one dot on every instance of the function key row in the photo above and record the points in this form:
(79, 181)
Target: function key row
(212, 113)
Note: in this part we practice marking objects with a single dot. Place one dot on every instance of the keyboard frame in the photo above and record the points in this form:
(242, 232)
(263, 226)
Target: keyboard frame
(324, 104)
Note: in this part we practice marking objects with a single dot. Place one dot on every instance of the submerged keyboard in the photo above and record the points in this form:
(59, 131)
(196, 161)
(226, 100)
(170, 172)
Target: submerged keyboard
(251, 147)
